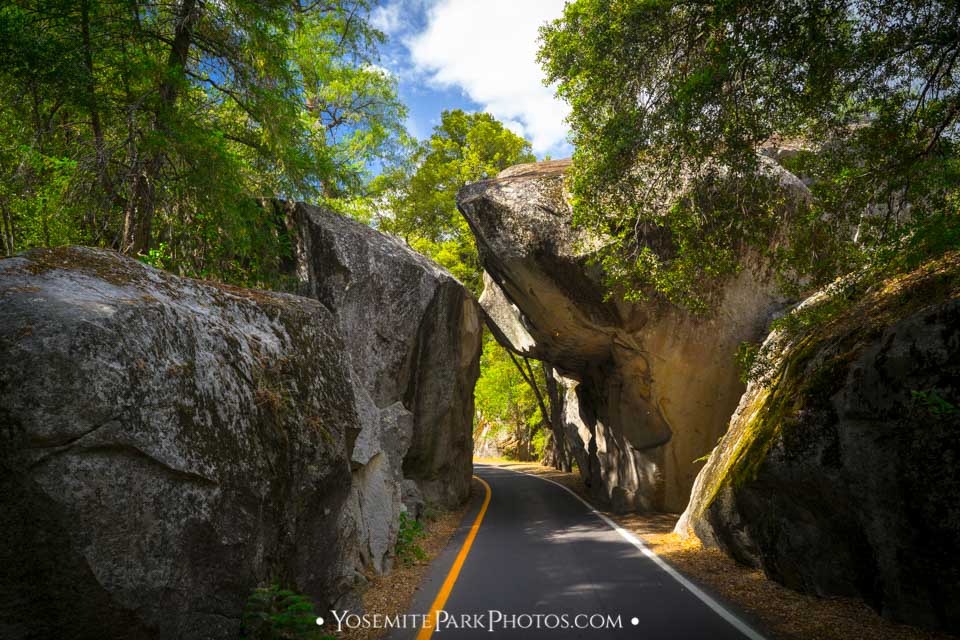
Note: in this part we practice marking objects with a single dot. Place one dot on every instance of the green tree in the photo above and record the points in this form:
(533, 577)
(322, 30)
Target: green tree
(506, 399)
(464, 148)
(671, 100)
(154, 127)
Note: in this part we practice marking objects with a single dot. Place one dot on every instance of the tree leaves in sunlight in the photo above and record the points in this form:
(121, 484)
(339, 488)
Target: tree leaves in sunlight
(154, 128)
(671, 101)
(464, 148)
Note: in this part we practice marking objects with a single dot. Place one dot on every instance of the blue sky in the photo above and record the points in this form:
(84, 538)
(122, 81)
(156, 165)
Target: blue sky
(475, 55)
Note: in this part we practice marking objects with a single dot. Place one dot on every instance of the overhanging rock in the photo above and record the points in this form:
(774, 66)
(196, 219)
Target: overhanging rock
(646, 389)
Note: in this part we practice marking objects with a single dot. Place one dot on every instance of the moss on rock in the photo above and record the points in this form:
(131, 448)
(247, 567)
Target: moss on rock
(820, 475)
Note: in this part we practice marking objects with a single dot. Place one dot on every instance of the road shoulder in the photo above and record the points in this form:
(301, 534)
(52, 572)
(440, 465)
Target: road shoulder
(411, 587)
(779, 613)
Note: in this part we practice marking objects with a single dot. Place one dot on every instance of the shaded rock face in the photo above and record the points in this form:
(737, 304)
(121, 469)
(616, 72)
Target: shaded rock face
(840, 476)
(643, 390)
(413, 336)
(165, 446)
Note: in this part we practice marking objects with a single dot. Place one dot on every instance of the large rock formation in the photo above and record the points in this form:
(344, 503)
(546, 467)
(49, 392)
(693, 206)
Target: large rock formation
(165, 446)
(413, 335)
(840, 472)
(641, 391)
(168, 445)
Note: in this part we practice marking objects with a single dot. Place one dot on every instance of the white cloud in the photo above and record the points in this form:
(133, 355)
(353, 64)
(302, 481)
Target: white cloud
(386, 18)
(515, 126)
(489, 49)
(393, 17)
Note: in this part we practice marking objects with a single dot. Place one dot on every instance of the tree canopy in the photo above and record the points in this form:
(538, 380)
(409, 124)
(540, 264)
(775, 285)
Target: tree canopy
(153, 127)
(464, 148)
(671, 101)
(157, 129)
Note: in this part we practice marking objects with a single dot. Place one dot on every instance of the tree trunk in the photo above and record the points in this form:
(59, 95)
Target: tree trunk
(531, 380)
(8, 242)
(138, 217)
(99, 146)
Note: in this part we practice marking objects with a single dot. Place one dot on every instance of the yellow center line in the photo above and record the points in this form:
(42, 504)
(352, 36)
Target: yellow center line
(427, 630)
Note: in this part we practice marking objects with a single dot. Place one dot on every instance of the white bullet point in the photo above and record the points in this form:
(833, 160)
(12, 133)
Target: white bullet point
(634, 621)
(320, 622)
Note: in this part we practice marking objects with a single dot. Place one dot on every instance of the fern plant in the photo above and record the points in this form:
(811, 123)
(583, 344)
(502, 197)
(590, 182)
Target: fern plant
(272, 613)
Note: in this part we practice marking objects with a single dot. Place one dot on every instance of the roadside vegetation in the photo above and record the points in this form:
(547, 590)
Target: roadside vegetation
(411, 531)
(273, 613)
(510, 418)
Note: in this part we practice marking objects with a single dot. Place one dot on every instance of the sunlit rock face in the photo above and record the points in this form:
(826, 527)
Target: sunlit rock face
(839, 474)
(166, 446)
(413, 337)
(645, 389)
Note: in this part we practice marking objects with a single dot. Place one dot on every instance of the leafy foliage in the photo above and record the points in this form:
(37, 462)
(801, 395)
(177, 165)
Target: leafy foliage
(671, 100)
(408, 548)
(272, 613)
(934, 404)
(507, 403)
(154, 127)
(464, 148)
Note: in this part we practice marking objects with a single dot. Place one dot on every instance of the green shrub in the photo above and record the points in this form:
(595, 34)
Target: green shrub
(538, 443)
(411, 530)
(933, 403)
(272, 613)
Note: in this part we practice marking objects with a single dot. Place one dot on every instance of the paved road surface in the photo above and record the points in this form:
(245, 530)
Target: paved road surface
(540, 551)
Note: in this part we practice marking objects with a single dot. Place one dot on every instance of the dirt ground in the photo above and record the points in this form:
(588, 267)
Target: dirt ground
(780, 613)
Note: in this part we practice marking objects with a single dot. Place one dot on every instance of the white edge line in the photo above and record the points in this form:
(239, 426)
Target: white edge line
(718, 608)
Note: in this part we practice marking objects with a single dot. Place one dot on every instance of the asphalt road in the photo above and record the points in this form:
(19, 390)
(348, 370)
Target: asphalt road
(543, 564)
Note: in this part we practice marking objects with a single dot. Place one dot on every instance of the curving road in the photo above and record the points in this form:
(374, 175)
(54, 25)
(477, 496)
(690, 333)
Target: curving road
(542, 563)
